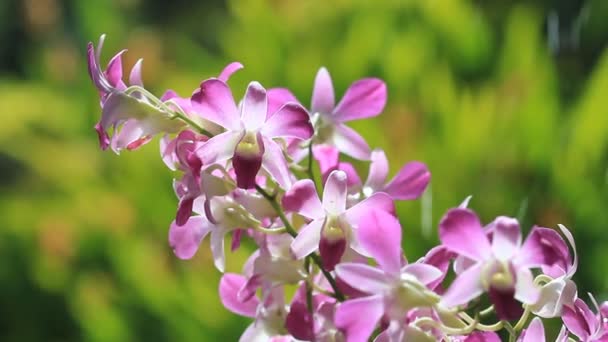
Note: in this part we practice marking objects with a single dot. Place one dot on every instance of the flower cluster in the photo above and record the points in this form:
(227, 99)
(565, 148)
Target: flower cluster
(248, 170)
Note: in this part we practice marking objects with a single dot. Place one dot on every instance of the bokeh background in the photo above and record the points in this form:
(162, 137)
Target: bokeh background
(505, 100)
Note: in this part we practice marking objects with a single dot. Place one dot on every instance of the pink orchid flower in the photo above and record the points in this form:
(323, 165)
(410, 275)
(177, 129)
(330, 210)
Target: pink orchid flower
(583, 323)
(248, 140)
(363, 99)
(560, 291)
(269, 311)
(500, 266)
(333, 226)
(394, 289)
(133, 116)
(228, 215)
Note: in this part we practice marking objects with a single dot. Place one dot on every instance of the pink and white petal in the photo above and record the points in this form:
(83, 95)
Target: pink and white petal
(534, 333)
(218, 250)
(425, 273)
(229, 70)
(255, 332)
(352, 177)
(543, 247)
(219, 148)
(323, 93)
(308, 239)
(574, 265)
(465, 203)
(358, 327)
(363, 277)
(254, 106)
(465, 287)
(275, 164)
(230, 285)
(378, 170)
(460, 231)
(379, 233)
(213, 101)
(377, 201)
(506, 238)
(525, 290)
(328, 158)
(185, 240)
(114, 70)
(410, 182)
(349, 142)
(291, 120)
(135, 75)
(277, 97)
(334, 193)
(553, 296)
(302, 198)
(574, 319)
(363, 99)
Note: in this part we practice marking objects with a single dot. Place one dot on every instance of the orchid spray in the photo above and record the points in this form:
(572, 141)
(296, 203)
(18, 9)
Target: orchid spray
(247, 172)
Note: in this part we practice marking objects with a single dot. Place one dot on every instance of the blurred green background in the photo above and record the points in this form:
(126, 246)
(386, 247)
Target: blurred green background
(505, 100)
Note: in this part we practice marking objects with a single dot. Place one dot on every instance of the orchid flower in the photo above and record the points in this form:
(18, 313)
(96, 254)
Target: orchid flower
(228, 215)
(363, 99)
(583, 323)
(132, 113)
(248, 140)
(269, 312)
(394, 289)
(333, 226)
(561, 290)
(500, 267)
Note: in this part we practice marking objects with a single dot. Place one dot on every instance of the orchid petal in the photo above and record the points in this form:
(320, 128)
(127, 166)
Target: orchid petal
(377, 201)
(229, 70)
(525, 290)
(230, 285)
(363, 277)
(308, 239)
(350, 142)
(543, 247)
(114, 70)
(328, 158)
(334, 194)
(465, 287)
(363, 99)
(219, 148)
(302, 198)
(506, 238)
(274, 163)
(254, 107)
(461, 232)
(574, 318)
(357, 326)
(410, 182)
(425, 273)
(323, 93)
(135, 75)
(217, 249)
(291, 120)
(379, 233)
(186, 239)
(214, 102)
(277, 98)
(378, 170)
(535, 332)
